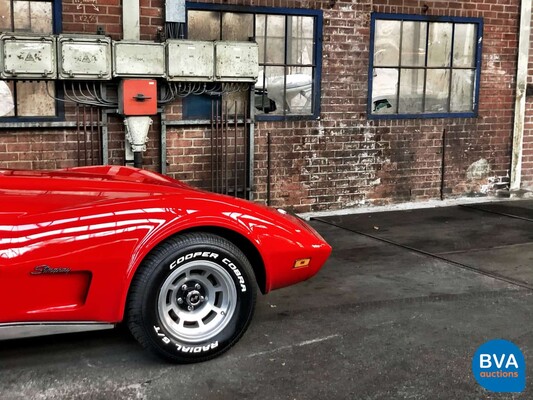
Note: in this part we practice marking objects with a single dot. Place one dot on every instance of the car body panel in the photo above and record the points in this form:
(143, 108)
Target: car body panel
(72, 240)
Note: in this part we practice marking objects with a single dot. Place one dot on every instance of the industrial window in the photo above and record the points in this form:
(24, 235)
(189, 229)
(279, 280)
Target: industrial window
(290, 53)
(424, 67)
(22, 100)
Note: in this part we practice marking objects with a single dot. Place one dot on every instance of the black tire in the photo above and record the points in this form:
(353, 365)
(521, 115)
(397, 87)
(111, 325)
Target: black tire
(192, 298)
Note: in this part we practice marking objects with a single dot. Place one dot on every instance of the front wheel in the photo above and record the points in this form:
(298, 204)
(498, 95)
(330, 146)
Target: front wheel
(192, 298)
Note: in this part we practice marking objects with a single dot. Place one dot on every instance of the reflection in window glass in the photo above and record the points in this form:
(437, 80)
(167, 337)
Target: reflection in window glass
(300, 43)
(32, 99)
(5, 15)
(437, 87)
(27, 98)
(238, 27)
(414, 43)
(423, 66)
(287, 55)
(462, 90)
(203, 25)
(464, 48)
(439, 44)
(411, 91)
(21, 15)
(387, 43)
(275, 39)
(41, 17)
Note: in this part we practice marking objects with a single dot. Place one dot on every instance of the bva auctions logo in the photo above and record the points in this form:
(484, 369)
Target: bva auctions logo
(499, 366)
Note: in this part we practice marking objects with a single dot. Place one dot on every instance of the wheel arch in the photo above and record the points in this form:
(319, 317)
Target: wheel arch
(243, 244)
(249, 250)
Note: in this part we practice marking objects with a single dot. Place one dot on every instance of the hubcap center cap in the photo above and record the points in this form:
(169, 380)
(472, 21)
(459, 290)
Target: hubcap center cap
(194, 298)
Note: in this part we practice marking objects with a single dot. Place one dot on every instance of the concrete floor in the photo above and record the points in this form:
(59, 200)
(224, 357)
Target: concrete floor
(378, 322)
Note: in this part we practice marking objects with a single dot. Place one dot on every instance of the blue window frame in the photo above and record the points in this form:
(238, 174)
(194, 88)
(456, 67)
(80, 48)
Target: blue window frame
(24, 101)
(424, 66)
(290, 54)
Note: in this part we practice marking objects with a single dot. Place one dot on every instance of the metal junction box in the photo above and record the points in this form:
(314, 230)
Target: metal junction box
(236, 61)
(139, 59)
(27, 56)
(84, 57)
(190, 61)
(137, 97)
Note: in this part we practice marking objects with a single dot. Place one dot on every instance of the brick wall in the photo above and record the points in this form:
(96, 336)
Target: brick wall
(527, 155)
(343, 159)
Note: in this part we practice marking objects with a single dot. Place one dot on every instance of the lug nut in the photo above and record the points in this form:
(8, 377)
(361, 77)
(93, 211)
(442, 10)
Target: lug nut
(202, 298)
(197, 286)
(184, 287)
(190, 308)
(180, 300)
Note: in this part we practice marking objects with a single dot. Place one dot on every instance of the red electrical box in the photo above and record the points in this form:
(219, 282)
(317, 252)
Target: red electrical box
(138, 97)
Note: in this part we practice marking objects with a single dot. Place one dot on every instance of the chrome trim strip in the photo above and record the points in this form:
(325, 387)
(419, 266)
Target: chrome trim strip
(19, 330)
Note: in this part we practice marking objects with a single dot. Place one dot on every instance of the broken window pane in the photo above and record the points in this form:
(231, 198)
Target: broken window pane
(300, 42)
(384, 90)
(203, 25)
(437, 88)
(462, 90)
(439, 44)
(414, 43)
(269, 95)
(33, 100)
(387, 43)
(411, 91)
(237, 26)
(464, 48)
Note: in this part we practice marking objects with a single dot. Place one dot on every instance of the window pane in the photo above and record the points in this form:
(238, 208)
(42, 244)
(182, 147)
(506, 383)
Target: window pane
(384, 90)
(464, 48)
(439, 44)
(41, 17)
(299, 90)
(33, 100)
(237, 26)
(21, 14)
(300, 43)
(462, 90)
(7, 107)
(275, 49)
(411, 91)
(387, 43)
(437, 88)
(270, 97)
(5, 15)
(414, 43)
(260, 35)
(203, 25)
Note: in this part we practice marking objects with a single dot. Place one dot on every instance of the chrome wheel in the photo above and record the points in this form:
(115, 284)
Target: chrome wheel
(197, 301)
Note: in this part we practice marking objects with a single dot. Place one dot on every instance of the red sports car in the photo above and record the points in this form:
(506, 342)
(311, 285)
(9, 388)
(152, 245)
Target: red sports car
(86, 248)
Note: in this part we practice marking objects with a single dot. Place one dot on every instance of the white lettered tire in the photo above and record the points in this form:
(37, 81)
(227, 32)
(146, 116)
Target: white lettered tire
(192, 298)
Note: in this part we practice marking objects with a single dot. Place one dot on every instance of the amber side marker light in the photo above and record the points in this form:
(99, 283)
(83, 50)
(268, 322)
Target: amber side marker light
(302, 263)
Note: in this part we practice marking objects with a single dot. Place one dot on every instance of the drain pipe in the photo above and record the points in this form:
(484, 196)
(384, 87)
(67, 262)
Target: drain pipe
(520, 94)
(131, 30)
